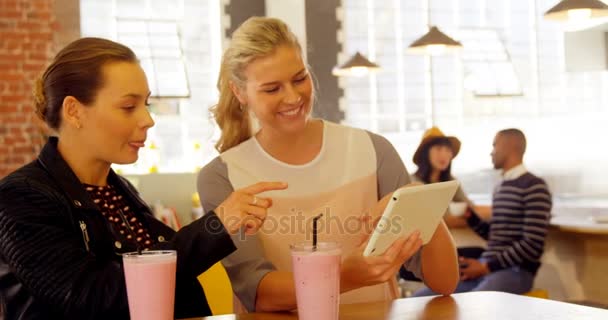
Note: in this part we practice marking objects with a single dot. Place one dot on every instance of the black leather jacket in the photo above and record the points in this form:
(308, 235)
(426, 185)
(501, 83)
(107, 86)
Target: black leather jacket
(60, 259)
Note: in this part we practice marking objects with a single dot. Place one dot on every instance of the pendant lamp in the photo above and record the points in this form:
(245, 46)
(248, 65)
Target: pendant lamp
(577, 10)
(357, 65)
(434, 42)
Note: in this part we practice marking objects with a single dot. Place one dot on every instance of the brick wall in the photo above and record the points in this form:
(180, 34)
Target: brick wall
(26, 45)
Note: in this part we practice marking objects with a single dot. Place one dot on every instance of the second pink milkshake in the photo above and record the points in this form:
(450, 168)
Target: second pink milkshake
(316, 274)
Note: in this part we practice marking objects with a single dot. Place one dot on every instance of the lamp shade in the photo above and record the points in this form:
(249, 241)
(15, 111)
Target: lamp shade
(434, 42)
(577, 10)
(357, 65)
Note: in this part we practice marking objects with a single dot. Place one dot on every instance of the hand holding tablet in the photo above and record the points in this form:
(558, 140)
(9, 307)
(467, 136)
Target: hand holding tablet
(411, 208)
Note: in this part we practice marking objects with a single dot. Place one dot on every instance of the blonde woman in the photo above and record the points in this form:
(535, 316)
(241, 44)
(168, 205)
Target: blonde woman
(339, 171)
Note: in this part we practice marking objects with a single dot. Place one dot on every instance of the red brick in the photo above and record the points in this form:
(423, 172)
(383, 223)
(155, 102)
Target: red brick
(42, 46)
(12, 35)
(17, 160)
(26, 150)
(34, 67)
(11, 77)
(7, 24)
(31, 25)
(9, 4)
(28, 92)
(8, 66)
(32, 129)
(27, 46)
(8, 108)
(26, 5)
(12, 140)
(15, 133)
(27, 39)
(12, 99)
(13, 45)
(19, 118)
(46, 36)
(11, 14)
(39, 15)
(41, 6)
(38, 56)
(5, 56)
(15, 86)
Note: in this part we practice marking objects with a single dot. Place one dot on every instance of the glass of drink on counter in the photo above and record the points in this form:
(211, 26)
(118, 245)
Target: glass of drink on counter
(150, 279)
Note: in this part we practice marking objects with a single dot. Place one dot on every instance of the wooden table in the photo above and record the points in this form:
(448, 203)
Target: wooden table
(581, 224)
(575, 261)
(473, 305)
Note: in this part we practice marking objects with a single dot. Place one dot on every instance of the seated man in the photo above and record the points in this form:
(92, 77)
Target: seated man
(521, 207)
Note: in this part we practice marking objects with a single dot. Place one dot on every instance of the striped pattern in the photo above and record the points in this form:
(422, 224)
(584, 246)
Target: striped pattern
(521, 209)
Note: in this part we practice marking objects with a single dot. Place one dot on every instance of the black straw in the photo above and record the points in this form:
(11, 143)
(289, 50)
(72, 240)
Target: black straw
(314, 231)
(131, 232)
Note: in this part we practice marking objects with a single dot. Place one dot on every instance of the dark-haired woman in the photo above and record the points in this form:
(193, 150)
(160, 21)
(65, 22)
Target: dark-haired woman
(61, 216)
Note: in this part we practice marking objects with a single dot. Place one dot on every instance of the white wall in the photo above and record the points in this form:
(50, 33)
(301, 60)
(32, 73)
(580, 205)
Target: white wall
(586, 50)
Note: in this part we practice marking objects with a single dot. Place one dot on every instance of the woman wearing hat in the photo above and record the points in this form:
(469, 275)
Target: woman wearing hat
(434, 158)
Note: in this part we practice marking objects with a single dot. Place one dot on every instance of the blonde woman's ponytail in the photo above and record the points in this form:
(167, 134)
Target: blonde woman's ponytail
(230, 116)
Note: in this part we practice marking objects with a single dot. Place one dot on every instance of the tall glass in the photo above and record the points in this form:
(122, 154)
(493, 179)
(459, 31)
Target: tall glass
(316, 274)
(150, 278)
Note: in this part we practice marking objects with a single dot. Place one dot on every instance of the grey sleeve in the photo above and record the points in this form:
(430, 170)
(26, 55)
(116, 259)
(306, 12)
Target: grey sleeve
(391, 171)
(392, 175)
(247, 265)
(213, 185)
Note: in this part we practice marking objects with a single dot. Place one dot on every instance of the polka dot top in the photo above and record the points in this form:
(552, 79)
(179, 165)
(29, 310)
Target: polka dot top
(110, 202)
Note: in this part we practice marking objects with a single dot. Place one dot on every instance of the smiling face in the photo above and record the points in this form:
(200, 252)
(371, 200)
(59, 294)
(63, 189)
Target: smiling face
(278, 89)
(116, 123)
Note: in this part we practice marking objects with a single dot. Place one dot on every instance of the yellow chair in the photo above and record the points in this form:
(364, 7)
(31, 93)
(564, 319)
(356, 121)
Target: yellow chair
(218, 290)
(538, 293)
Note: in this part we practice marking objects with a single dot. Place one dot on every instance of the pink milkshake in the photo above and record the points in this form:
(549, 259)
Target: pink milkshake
(150, 281)
(317, 278)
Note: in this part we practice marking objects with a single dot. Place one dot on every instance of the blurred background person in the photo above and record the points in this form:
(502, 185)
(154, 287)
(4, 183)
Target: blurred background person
(434, 157)
(516, 231)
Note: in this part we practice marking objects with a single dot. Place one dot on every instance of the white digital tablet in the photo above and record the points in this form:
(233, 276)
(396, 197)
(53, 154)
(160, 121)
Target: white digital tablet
(412, 208)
